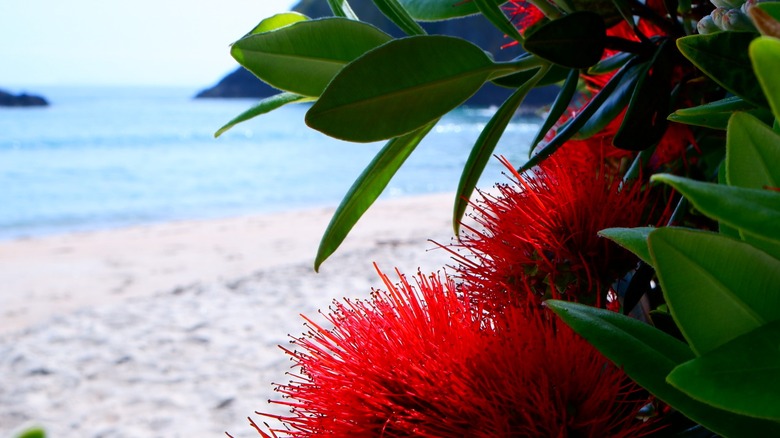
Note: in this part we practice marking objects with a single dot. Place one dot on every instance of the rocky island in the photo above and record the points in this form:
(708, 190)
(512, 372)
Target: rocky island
(242, 84)
(23, 99)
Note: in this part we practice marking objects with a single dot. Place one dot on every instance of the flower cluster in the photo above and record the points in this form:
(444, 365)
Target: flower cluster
(421, 360)
(538, 237)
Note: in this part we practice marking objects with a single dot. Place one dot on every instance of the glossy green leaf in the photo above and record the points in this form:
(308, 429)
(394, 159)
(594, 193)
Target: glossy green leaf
(574, 125)
(648, 355)
(367, 189)
(341, 8)
(632, 239)
(264, 106)
(612, 63)
(723, 56)
(607, 9)
(398, 15)
(558, 108)
(741, 376)
(730, 204)
(708, 277)
(554, 75)
(485, 145)
(493, 12)
(719, 120)
(652, 353)
(644, 123)
(435, 10)
(403, 85)
(752, 153)
(723, 228)
(713, 114)
(303, 57)
(277, 21)
(615, 102)
(575, 40)
(765, 56)
(623, 9)
(772, 8)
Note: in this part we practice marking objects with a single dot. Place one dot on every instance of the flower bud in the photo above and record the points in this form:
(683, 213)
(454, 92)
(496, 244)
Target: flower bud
(717, 17)
(707, 25)
(747, 5)
(736, 20)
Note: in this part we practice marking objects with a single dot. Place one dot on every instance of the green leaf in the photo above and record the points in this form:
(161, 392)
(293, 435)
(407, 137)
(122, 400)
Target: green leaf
(608, 9)
(644, 123)
(615, 102)
(729, 205)
(575, 40)
(623, 9)
(741, 376)
(554, 75)
(644, 352)
(771, 8)
(342, 9)
(398, 15)
(612, 63)
(723, 228)
(366, 189)
(486, 144)
(723, 56)
(765, 57)
(708, 277)
(399, 87)
(632, 239)
(277, 21)
(752, 153)
(493, 12)
(303, 57)
(574, 125)
(711, 115)
(558, 108)
(264, 106)
(648, 355)
(435, 10)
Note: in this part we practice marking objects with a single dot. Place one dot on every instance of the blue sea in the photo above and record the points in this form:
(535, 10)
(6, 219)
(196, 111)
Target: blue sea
(110, 157)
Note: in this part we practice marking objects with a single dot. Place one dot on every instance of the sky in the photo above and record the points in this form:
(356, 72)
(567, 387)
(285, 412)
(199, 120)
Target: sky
(128, 42)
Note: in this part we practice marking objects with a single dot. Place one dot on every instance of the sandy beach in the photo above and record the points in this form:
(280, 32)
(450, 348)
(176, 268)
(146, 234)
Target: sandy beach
(172, 330)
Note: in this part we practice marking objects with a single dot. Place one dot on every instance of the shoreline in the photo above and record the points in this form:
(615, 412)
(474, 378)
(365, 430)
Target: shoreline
(173, 329)
(64, 272)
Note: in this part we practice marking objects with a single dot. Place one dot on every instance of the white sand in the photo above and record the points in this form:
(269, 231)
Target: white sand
(171, 330)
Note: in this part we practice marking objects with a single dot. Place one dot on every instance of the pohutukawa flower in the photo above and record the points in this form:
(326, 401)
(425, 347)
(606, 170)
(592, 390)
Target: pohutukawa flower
(537, 238)
(422, 361)
(523, 14)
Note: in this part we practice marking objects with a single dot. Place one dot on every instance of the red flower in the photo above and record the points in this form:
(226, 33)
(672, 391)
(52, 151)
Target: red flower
(523, 13)
(677, 137)
(538, 235)
(421, 361)
(673, 147)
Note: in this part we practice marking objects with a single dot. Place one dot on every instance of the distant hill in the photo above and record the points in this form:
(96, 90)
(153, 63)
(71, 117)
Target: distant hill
(24, 99)
(242, 84)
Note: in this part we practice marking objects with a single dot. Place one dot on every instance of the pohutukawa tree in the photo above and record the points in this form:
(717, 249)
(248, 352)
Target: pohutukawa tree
(667, 114)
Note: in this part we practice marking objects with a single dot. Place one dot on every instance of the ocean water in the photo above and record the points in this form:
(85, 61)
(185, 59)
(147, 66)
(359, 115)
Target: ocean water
(110, 157)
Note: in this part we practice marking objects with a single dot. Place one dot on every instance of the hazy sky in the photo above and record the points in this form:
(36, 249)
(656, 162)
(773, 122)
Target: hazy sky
(111, 42)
